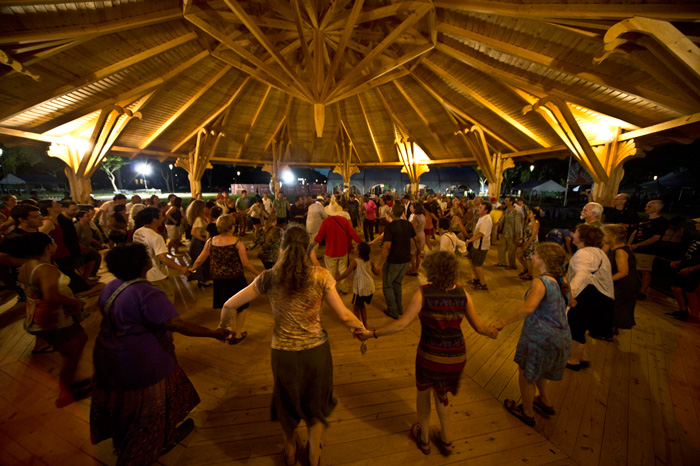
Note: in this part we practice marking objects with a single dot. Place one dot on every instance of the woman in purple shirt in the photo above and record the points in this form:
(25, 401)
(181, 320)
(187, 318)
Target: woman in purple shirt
(140, 392)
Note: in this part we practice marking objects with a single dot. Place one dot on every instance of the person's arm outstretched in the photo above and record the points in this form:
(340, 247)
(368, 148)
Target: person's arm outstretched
(345, 315)
(537, 292)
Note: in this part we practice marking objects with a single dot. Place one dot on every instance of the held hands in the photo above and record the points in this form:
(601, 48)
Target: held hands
(363, 334)
(675, 264)
(684, 271)
(223, 334)
(375, 269)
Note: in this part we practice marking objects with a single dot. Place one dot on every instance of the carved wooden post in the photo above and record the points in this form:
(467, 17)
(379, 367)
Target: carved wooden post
(413, 159)
(500, 164)
(345, 168)
(612, 156)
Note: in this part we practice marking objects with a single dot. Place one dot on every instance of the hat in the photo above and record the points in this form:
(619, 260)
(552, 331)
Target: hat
(320, 198)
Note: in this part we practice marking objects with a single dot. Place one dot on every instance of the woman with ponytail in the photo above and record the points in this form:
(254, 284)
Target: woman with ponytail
(302, 367)
(545, 340)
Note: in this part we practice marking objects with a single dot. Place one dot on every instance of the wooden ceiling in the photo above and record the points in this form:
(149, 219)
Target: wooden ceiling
(330, 79)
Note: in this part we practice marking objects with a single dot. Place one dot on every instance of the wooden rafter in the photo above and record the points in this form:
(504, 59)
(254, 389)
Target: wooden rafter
(214, 115)
(278, 128)
(267, 45)
(416, 109)
(558, 115)
(146, 87)
(452, 109)
(665, 126)
(383, 45)
(97, 75)
(568, 68)
(377, 13)
(241, 51)
(666, 11)
(191, 101)
(369, 128)
(501, 113)
(304, 45)
(76, 32)
(253, 120)
(510, 78)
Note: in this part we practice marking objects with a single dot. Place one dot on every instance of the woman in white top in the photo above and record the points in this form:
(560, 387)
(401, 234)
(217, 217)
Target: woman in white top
(592, 289)
(195, 217)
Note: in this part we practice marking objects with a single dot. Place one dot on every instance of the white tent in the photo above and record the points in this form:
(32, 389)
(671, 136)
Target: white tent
(539, 187)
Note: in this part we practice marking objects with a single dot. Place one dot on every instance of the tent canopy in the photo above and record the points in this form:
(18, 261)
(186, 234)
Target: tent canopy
(541, 186)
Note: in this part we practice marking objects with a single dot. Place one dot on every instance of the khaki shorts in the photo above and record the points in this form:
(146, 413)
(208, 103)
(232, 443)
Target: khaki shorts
(644, 261)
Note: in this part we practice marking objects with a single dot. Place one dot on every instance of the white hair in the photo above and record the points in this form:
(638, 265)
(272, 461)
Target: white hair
(595, 208)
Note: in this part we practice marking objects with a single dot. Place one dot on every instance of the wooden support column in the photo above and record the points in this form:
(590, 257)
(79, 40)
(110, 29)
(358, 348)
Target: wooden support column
(345, 168)
(500, 164)
(280, 151)
(83, 157)
(557, 113)
(612, 156)
(413, 159)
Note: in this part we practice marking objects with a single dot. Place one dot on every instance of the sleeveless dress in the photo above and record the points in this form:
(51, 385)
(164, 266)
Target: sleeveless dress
(530, 251)
(441, 353)
(419, 219)
(363, 284)
(545, 340)
(626, 290)
(227, 274)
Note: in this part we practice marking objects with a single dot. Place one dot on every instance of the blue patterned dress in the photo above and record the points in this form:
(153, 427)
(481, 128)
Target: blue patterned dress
(441, 353)
(545, 341)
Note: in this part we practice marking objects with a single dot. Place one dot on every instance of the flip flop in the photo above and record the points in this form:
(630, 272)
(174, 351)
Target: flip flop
(415, 435)
(518, 412)
(543, 408)
(44, 350)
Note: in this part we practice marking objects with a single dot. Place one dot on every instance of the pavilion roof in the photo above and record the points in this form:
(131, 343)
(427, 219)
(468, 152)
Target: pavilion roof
(319, 74)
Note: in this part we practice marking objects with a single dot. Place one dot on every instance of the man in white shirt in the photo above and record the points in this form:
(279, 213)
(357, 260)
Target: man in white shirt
(107, 209)
(481, 242)
(315, 216)
(152, 218)
(267, 203)
(135, 199)
(448, 240)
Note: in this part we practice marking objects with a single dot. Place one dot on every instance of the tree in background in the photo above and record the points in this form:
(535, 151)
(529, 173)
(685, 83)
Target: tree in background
(30, 159)
(111, 164)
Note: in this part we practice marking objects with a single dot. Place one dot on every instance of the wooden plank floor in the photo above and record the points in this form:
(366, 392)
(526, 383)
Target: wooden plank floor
(638, 403)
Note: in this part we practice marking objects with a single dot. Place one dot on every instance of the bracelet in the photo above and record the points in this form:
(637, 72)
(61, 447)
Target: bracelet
(374, 332)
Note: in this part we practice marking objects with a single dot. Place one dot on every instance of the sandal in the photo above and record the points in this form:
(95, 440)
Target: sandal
(446, 448)
(235, 341)
(415, 434)
(518, 412)
(543, 408)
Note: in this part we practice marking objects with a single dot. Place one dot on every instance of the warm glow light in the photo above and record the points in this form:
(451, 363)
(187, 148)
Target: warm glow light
(238, 173)
(143, 169)
(82, 145)
(170, 166)
(288, 177)
(655, 177)
(605, 133)
(532, 167)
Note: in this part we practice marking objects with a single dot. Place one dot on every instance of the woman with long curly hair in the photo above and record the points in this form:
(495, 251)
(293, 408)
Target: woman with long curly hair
(302, 367)
(545, 340)
(440, 305)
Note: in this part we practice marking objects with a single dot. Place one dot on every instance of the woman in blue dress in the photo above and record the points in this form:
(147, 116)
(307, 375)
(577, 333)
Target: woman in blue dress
(545, 340)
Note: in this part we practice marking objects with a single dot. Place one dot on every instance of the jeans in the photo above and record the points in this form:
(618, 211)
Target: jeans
(392, 276)
(368, 227)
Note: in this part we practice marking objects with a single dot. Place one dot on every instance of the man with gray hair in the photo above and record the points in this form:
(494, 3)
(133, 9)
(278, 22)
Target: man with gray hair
(622, 213)
(591, 214)
(645, 242)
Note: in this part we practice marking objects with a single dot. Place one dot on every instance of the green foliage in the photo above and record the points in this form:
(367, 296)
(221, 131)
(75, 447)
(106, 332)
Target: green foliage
(111, 163)
(30, 159)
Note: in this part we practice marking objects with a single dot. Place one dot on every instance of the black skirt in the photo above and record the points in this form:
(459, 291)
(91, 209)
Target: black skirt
(593, 312)
(224, 288)
(303, 386)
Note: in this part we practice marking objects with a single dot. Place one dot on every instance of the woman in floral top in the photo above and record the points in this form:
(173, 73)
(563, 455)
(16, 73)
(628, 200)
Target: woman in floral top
(302, 367)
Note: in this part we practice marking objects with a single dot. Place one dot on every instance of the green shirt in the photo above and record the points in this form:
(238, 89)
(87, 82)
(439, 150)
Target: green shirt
(281, 207)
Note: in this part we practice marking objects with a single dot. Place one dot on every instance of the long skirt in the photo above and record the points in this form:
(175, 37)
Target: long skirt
(141, 422)
(224, 288)
(594, 312)
(303, 386)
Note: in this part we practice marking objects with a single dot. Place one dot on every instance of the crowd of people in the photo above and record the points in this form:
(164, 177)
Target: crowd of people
(585, 283)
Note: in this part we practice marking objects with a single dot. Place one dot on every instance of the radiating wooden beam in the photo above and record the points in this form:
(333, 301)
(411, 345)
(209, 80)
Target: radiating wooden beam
(278, 128)
(342, 43)
(457, 111)
(191, 101)
(108, 27)
(146, 87)
(416, 109)
(239, 50)
(370, 85)
(435, 68)
(369, 128)
(670, 11)
(253, 119)
(543, 87)
(267, 45)
(95, 76)
(213, 116)
(304, 46)
(383, 45)
(568, 68)
(378, 13)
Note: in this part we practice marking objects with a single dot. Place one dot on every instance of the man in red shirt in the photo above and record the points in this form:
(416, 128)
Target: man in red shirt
(339, 234)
